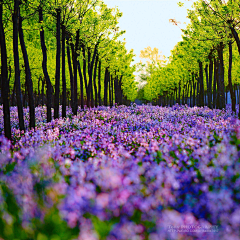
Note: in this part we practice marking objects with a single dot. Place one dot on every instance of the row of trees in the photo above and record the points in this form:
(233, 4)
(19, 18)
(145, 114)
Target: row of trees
(70, 48)
(204, 66)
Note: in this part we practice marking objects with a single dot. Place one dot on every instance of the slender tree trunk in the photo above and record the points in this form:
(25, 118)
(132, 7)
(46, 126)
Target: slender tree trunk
(207, 81)
(221, 77)
(105, 86)
(4, 78)
(28, 76)
(44, 67)
(115, 89)
(210, 103)
(233, 96)
(81, 84)
(90, 72)
(215, 84)
(70, 70)
(110, 90)
(194, 90)
(99, 84)
(218, 85)
(191, 87)
(85, 74)
(94, 80)
(57, 74)
(183, 102)
(42, 91)
(16, 65)
(198, 89)
(64, 90)
(89, 86)
(74, 55)
(179, 92)
(201, 86)
(120, 91)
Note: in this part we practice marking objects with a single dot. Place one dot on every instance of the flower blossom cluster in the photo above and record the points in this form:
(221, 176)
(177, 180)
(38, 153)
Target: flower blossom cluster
(127, 172)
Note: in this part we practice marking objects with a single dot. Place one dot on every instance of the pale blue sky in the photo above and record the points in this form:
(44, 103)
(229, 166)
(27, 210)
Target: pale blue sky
(147, 23)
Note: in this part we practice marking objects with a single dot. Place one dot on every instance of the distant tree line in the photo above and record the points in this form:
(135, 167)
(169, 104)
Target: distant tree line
(203, 69)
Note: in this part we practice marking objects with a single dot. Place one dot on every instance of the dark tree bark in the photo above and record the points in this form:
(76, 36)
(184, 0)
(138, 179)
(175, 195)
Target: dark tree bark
(106, 86)
(43, 91)
(81, 85)
(198, 89)
(179, 92)
(70, 70)
(201, 86)
(74, 53)
(110, 90)
(57, 74)
(207, 81)
(44, 67)
(218, 85)
(90, 72)
(116, 89)
(28, 76)
(210, 103)
(215, 84)
(191, 93)
(94, 80)
(221, 87)
(120, 91)
(89, 81)
(4, 78)
(84, 71)
(194, 90)
(99, 84)
(233, 96)
(64, 90)
(16, 64)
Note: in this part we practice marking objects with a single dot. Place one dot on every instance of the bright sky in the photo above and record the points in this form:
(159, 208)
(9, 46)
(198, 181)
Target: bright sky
(147, 23)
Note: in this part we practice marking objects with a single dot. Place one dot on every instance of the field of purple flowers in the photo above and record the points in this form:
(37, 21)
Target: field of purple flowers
(138, 172)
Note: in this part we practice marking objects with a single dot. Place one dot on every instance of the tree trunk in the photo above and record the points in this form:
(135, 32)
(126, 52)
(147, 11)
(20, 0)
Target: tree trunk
(215, 84)
(16, 65)
(105, 86)
(207, 81)
(44, 67)
(42, 91)
(74, 55)
(57, 74)
(233, 96)
(89, 86)
(110, 90)
(85, 74)
(221, 77)
(210, 103)
(4, 78)
(70, 70)
(116, 88)
(94, 80)
(99, 84)
(90, 72)
(28, 76)
(81, 84)
(179, 92)
(201, 86)
(64, 90)
(120, 91)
